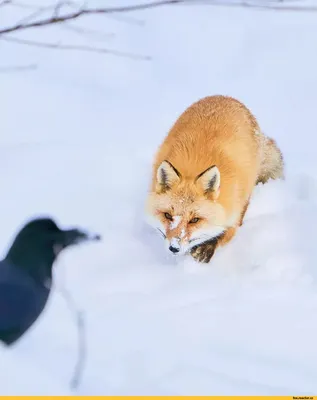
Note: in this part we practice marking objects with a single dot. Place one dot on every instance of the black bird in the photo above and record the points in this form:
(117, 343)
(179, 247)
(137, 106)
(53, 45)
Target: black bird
(26, 274)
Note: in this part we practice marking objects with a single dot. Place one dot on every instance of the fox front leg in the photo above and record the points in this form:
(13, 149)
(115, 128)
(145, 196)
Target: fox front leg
(204, 252)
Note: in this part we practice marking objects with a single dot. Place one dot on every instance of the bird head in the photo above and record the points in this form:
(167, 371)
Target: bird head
(40, 241)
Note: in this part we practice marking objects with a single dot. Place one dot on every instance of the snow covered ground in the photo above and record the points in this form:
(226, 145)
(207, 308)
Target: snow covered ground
(77, 140)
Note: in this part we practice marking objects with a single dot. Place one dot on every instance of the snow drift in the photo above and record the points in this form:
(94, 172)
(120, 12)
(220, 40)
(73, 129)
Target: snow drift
(77, 139)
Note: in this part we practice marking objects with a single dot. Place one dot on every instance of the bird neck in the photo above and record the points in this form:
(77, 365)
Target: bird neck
(38, 267)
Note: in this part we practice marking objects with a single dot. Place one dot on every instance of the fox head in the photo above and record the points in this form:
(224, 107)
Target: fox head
(185, 211)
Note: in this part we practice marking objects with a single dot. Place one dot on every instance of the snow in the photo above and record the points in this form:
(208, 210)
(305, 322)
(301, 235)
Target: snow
(77, 139)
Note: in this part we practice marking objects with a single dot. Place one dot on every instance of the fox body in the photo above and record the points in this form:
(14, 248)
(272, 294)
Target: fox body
(204, 173)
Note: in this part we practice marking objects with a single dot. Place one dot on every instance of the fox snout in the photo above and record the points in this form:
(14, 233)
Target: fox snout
(177, 246)
(174, 245)
(174, 249)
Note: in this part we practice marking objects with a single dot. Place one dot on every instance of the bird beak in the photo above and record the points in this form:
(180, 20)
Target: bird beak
(77, 236)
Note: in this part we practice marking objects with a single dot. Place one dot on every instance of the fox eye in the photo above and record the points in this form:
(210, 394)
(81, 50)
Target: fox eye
(168, 216)
(194, 220)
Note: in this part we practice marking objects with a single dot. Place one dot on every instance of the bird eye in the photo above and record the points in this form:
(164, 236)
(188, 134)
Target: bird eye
(194, 220)
(168, 216)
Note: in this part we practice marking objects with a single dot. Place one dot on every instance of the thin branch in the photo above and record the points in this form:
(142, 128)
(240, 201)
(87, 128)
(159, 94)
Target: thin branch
(79, 320)
(88, 11)
(40, 10)
(25, 6)
(59, 6)
(281, 7)
(86, 31)
(90, 49)
(127, 20)
(5, 3)
(29, 6)
(18, 68)
(56, 18)
(35, 14)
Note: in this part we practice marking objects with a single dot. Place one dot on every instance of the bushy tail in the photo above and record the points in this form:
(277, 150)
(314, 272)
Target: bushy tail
(272, 163)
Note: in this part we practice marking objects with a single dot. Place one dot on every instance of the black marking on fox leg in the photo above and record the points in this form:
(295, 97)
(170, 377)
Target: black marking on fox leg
(203, 252)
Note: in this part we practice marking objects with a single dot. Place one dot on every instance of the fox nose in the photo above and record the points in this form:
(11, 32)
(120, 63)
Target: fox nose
(173, 249)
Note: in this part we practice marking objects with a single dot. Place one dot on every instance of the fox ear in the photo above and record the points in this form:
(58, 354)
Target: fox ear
(167, 175)
(209, 180)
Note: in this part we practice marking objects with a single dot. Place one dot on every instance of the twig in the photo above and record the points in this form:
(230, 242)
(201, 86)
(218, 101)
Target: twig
(29, 6)
(58, 8)
(88, 11)
(78, 11)
(35, 14)
(4, 3)
(86, 31)
(57, 19)
(39, 10)
(127, 20)
(281, 7)
(274, 5)
(18, 68)
(81, 331)
(90, 49)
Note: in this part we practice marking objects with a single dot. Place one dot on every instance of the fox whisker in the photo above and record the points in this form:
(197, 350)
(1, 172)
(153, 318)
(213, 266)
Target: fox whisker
(203, 237)
(162, 233)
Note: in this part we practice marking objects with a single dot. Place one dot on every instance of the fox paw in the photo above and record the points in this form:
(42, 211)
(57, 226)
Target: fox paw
(204, 252)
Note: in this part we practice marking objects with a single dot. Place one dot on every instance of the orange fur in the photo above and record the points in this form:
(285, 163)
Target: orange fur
(218, 132)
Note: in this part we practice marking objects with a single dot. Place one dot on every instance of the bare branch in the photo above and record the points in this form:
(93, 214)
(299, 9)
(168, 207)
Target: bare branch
(35, 14)
(58, 18)
(58, 7)
(127, 20)
(64, 11)
(40, 10)
(5, 3)
(30, 6)
(88, 11)
(18, 68)
(25, 6)
(79, 320)
(86, 31)
(90, 49)
(279, 5)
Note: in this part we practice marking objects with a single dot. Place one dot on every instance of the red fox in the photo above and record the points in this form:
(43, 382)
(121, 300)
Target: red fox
(204, 173)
